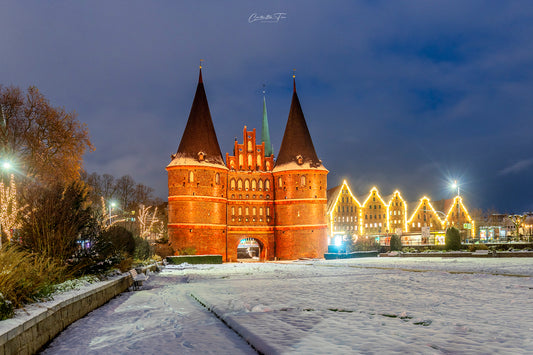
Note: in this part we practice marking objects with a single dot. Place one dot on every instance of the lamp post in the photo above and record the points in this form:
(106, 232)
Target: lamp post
(112, 205)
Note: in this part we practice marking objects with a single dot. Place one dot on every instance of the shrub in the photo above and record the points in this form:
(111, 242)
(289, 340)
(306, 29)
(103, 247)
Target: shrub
(59, 216)
(474, 247)
(366, 244)
(395, 243)
(453, 239)
(163, 250)
(6, 308)
(116, 240)
(143, 250)
(187, 251)
(28, 277)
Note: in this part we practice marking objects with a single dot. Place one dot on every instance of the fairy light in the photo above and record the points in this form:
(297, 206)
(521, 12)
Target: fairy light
(9, 209)
(458, 200)
(333, 211)
(431, 209)
(397, 197)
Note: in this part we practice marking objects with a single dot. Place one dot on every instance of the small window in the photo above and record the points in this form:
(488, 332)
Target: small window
(217, 178)
(191, 176)
(280, 182)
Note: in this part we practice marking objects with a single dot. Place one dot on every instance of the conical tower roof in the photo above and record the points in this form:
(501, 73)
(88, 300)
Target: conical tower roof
(297, 150)
(199, 142)
(265, 134)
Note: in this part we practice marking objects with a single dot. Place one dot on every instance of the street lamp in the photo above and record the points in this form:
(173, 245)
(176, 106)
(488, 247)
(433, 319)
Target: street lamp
(454, 186)
(112, 205)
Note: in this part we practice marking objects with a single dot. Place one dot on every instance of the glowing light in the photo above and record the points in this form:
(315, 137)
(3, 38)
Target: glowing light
(9, 209)
(7, 165)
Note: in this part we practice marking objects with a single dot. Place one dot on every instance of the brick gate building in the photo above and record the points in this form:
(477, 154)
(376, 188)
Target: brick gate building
(281, 203)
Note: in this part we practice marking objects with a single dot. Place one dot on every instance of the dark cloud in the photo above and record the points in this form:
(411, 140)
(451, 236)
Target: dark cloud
(401, 95)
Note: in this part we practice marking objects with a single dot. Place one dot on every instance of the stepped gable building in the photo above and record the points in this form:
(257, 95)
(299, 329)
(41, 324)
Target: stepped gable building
(280, 204)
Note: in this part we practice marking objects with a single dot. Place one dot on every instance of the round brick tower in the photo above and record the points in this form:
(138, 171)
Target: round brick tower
(197, 178)
(300, 182)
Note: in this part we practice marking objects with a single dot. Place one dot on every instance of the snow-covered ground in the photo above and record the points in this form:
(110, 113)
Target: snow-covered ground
(369, 306)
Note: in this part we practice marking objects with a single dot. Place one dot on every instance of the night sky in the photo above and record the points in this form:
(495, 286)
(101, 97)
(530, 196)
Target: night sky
(406, 95)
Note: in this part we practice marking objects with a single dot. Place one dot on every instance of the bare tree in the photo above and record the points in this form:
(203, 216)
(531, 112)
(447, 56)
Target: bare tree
(47, 141)
(125, 191)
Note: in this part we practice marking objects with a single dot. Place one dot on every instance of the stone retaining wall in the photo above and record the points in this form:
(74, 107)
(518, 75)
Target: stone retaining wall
(27, 333)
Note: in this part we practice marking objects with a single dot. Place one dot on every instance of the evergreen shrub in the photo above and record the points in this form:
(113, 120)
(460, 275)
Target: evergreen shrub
(395, 243)
(453, 239)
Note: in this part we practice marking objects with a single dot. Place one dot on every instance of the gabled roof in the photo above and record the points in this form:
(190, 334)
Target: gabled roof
(199, 142)
(333, 194)
(374, 189)
(297, 150)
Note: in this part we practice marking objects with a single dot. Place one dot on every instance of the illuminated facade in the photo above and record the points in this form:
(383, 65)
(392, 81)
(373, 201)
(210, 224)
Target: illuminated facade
(343, 213)
(383, 215)
(278, 204)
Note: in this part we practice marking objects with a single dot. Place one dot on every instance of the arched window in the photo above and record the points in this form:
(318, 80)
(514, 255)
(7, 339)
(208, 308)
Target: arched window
(240, 211)
(302, 180)
(241, 160)
(250, 160)
(217, 178)
(268, 211)
(254, 185)
(267, 185)
(268, 165)
(246, 184)
(254, 211)
(260, 187)
(280, 182)
(191, 176)
(232, 184)
(249, 146)
(239, 184)
(260, 211)
(247, 211)
(233, 211)
(258, 160)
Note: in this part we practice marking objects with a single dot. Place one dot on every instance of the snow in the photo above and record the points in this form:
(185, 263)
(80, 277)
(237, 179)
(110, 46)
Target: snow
(295, 166)
(187, 161)
(373, 305)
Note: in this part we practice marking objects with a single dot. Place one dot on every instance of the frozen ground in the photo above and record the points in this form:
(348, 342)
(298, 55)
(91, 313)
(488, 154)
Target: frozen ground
(368, 306)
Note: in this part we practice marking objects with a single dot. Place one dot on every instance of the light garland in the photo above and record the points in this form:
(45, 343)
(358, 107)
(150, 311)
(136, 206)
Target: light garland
(396, 196)
(9, 209)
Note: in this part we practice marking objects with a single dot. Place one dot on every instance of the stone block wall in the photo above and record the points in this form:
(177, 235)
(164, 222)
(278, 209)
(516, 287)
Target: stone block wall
(28, 333)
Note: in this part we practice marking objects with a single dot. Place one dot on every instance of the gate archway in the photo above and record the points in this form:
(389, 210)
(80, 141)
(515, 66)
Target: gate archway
(250, 249)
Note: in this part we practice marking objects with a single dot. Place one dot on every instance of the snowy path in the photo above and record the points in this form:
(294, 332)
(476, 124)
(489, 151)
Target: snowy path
(160, 319)
(370, 306)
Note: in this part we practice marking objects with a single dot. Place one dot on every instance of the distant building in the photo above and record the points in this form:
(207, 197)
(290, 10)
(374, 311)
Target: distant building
(215, 206)
(420, 222)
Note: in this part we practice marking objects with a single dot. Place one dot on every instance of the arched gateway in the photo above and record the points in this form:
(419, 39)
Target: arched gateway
(281, 204)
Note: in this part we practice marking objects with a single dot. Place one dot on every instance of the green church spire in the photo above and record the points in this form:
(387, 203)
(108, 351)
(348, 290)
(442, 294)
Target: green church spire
(265, 135)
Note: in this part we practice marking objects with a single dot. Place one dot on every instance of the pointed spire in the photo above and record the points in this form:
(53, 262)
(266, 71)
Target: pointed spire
(199, 140)
(265, 133)
(294, 81)
(297, 145)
